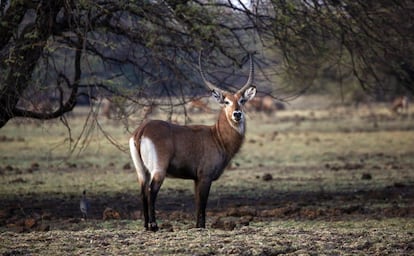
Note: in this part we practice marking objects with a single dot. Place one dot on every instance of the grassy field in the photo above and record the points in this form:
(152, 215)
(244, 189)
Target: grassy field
(331, 180)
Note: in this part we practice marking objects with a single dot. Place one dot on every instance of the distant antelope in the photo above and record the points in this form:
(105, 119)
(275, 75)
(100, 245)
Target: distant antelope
(147, 110)
(268, 104)
(265, 104)
(107, 107)
(199, 104)
(400, 104)
(196, 152)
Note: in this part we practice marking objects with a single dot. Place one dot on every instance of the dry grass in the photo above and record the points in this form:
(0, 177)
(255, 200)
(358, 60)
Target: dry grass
(320, 181)
(269, 238)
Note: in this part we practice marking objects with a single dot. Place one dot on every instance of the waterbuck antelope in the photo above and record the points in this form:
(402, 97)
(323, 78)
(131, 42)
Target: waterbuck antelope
(400, 105)
(196, 152)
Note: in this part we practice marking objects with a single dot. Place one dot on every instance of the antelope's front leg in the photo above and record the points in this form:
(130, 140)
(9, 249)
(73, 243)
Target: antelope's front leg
(202, 190)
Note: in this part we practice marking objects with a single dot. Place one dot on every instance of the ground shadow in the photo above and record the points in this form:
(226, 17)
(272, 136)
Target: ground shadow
(388, 202)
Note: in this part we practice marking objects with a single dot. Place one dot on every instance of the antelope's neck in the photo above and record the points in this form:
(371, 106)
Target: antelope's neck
(230, 136)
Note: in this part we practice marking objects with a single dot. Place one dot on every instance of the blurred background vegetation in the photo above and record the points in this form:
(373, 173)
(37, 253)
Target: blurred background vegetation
(55, 55)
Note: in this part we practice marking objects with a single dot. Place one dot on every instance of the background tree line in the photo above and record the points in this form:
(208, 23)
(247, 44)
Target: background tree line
(62, 52)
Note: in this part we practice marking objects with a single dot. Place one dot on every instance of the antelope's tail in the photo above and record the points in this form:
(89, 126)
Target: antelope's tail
(134, 147)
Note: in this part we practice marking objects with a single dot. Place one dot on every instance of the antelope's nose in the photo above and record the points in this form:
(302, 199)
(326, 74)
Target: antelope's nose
(237, 115)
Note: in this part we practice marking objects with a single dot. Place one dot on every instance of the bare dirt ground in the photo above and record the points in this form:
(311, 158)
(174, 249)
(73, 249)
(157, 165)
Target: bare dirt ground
(304, 184)
(393, 201)
(373, 221)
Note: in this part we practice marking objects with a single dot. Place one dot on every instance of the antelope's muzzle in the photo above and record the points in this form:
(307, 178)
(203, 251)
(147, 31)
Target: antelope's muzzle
(237, 116)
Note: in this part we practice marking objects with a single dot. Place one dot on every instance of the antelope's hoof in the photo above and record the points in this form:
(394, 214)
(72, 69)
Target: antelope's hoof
(153, 227)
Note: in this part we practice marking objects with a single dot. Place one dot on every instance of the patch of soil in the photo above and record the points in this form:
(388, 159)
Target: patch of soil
(4, 138)
(30, 213)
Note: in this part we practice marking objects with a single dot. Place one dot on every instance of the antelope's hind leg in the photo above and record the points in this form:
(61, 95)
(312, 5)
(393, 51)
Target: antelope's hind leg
(154, 188)
(143, 180)
(144, 200)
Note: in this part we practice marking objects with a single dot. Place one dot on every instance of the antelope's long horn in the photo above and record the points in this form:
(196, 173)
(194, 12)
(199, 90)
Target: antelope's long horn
(250, 79)
(209, 85)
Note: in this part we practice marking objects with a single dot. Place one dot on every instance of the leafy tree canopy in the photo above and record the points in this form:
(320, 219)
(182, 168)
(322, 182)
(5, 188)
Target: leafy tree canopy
(53, 53)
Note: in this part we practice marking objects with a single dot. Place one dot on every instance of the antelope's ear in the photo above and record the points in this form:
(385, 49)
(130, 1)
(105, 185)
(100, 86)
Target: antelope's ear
(218, 96)
(249, 93)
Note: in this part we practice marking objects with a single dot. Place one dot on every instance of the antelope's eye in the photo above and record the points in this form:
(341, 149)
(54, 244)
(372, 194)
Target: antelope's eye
(242, 101)
(227, 102)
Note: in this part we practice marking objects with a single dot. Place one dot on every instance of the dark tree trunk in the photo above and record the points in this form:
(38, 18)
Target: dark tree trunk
(24, 58)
